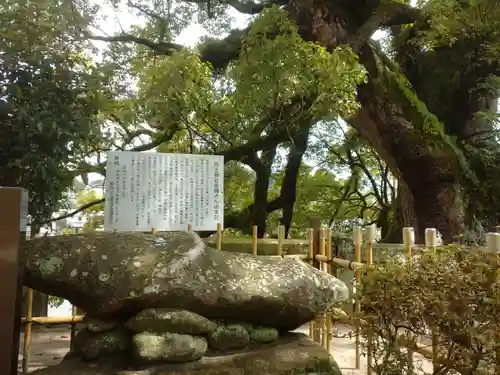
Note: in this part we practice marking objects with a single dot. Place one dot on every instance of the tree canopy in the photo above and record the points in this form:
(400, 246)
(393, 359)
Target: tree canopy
(313, 116)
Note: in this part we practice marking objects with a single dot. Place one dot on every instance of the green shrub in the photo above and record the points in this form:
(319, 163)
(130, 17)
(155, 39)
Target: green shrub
(452, 291)
(55, 302)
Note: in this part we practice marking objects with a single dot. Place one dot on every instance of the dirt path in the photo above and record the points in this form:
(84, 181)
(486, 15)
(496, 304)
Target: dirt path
(49, 345)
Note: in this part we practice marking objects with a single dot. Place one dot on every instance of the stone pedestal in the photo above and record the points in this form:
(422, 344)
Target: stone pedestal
(292, 354)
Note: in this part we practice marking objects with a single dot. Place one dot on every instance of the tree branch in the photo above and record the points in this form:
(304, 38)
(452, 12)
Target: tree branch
(148, 12)
(257, 144)
(77, 211)
(167, 136)
(218, 132)
(163, 48)
(220, 52)
(288, 191)
(241, 219)
(192, 130)
(360, 164)
(387, 14)
(246, 7)
(401, 14)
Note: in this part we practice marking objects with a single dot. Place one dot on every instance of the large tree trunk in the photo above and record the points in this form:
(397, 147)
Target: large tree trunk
(288, 192)
(259, 210)
(431, 195)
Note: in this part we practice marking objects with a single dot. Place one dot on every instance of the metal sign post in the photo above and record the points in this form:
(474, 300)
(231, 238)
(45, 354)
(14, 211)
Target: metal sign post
(13, 204)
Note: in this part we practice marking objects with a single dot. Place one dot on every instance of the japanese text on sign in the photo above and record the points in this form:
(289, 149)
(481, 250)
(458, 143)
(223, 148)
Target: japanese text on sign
(163, 191)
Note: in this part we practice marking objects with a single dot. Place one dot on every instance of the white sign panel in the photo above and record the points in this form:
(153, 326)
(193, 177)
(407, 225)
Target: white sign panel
(163, 191)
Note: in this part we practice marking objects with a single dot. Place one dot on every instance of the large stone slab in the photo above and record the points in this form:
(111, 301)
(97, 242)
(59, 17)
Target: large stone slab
(292, 354)
(120, 274)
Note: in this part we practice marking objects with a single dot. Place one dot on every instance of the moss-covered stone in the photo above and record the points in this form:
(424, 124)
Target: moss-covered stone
(170, 320)
(93, 345)
(227, 337)
(249, 327)
(97, 325)
(291, 354)
(167, 347)
(264, 335)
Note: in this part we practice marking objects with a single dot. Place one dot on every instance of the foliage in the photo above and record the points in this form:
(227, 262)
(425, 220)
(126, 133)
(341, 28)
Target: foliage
(142, 91)
(238, 187)
(370, 185)
(49, 101)
(178, 93)
(450, 21)
(276, 66)
(453, 292)
(95, 217)
(67, 231)
(174, 87)
(319, 194)
(55, 302)
(87, 196)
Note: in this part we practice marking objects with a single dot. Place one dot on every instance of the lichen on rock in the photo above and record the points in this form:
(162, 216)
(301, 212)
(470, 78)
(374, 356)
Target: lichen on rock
(264, 335)
(160, 300)
(249, 327)
(93, 345)
(167, 347)
(116, 274)
(167, 320)
(49, 265)
(97, 325)
(228, 337)
(291, 354)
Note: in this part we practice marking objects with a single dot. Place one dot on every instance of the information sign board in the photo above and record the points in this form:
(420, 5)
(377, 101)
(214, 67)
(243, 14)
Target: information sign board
(163, 191)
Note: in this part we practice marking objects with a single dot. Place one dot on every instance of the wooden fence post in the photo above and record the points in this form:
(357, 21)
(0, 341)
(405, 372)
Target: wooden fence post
(254, 240)
(218, 238)
(371, 233)
(13, 203)
(357, 240)
(408, 242)
(315, 224)
(310, 256)
(27, 331)
(322, 267)
(493, 247)
(329, 328)
(430, 243)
